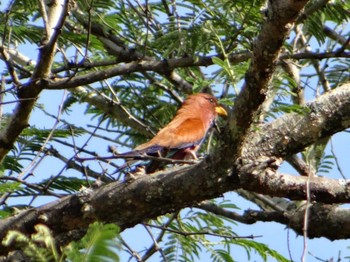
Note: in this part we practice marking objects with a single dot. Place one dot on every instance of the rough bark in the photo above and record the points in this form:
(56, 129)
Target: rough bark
(180, 187)
(27, 94)
(249, 160)
(280, 17)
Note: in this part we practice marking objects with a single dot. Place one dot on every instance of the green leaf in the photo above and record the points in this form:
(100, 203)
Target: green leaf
(263, 250)
(9, 187)
(99, 244)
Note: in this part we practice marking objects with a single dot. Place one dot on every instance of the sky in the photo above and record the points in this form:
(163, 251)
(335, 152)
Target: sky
(276, 236)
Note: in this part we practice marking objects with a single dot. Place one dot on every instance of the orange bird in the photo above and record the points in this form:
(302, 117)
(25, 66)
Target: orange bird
(182, 137)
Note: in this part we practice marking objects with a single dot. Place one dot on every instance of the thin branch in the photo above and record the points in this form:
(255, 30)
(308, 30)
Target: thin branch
(40, 189)
(138, 156)
(299, 165)
(164, 87)
(311, 9)
(336, 160)
(336, 37)
(153, 248)
(18, 59)
(113, 108)
(306, 220)
(17, 101)
(215, 209)
(48, 138)
(69, 163)
(132, 252)
(155, 243)
(43, 11)
(164, 66)
(186, 234)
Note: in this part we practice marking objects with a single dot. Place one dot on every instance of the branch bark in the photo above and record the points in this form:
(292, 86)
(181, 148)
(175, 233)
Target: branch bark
(289, 134)
(248, 160)
(180, 187)
(325, 220)
(28, 93)
(281, 16)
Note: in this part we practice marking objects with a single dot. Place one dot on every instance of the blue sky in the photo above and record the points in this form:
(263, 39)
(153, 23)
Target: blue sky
(276, 236)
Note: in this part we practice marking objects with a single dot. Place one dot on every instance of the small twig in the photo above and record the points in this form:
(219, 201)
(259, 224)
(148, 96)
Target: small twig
(40, 189)
(72, 164)
(299, 165)
(70, 159)
(155, 243)
(150, 251)
(336, 160)
(186, 234)
(215, 209)
(16, 101)
(138, 157)
(344, 46)
(164, 87)
(320, 259)
(42, 8)
(132, 252)
(32, 163)
(7, 90)
(336, 37)
(306, 219)
(288, 245)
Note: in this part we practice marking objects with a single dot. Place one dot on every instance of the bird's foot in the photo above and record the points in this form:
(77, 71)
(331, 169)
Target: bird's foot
(134, 174)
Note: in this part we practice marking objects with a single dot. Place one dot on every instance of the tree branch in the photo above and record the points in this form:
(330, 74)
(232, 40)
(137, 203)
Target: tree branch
(180, 187)
(281, 16)
(326, 220)
(291, 133)
(165, 192)
(112, 108)
(28, 93)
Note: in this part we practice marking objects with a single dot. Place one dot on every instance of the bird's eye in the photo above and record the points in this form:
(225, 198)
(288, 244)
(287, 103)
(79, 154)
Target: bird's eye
(211, 100)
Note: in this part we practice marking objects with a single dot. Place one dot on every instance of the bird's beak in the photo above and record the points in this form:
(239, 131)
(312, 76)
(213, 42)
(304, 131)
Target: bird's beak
(221, 111)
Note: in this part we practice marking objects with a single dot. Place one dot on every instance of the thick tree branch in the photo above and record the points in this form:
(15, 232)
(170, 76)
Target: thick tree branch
(253, 168)
(165, 192)
(325, 220)
(163, 66)
(28, 93)
(291, 133)
(181, 187)
(280, 18)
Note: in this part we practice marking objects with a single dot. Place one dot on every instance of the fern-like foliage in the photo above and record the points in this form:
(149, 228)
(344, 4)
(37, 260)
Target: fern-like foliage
(99, 244)
(39, 247)
(195, 232)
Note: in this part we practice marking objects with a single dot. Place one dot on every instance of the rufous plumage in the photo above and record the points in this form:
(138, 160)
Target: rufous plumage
(183, 135)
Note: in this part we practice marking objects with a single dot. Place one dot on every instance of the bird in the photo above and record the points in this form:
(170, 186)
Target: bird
(181, 138)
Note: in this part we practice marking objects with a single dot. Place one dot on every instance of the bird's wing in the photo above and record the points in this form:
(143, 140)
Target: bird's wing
(187, 133)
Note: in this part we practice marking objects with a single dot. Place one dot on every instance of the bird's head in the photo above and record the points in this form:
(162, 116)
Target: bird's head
(205, 103)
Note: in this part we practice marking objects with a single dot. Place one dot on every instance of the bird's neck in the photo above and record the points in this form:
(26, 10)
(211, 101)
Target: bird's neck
(205, 114)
